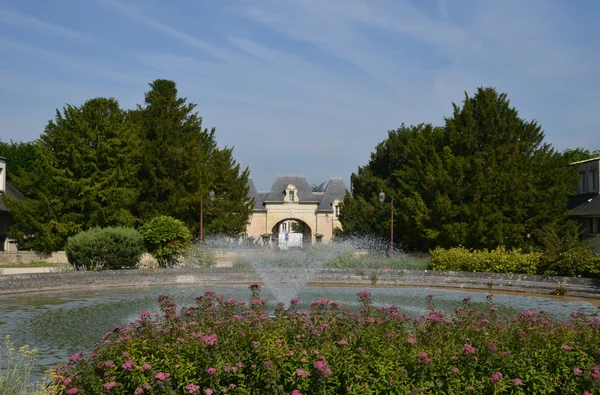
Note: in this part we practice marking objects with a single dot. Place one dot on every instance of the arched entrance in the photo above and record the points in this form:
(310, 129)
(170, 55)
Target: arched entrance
(291, 233)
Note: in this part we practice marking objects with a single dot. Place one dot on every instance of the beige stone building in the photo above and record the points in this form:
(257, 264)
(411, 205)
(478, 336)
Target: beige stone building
(291, 208)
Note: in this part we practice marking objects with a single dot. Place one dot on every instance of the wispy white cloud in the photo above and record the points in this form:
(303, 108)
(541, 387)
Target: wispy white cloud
(135, 14)
(274, 57)
(15, 18)
(88, 67)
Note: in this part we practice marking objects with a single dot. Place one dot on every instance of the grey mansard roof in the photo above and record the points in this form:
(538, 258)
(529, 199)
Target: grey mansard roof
(335, 190)
(590, 207)
(12, 193)
(258, 198)
(281, 183)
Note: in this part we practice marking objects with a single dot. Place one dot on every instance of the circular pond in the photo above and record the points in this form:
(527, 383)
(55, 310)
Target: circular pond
(61, 323)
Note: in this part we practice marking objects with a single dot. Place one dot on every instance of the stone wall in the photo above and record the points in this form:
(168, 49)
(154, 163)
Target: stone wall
(224, 258)
(10, 258)
(486, 282)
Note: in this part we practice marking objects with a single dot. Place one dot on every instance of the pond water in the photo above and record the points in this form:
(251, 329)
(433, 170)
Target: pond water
(62, 323)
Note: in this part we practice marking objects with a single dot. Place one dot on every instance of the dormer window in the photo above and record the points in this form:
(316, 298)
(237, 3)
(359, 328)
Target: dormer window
(291, 193)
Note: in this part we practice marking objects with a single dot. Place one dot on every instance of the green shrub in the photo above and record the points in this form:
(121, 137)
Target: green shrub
(166, 238)
(498, 260)
(372, 261)
(198, 256)
(342, 261)
(565, 253)
(581, 261)
(107, 248)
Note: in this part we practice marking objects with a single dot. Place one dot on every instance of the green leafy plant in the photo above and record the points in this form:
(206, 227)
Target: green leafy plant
(166, 238)
(561, 289)
(108, 248)
(16, 367)
(498, 260)
(198, 255)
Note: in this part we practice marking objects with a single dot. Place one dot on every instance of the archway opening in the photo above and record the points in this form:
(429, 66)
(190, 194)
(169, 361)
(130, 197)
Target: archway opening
(291, 233)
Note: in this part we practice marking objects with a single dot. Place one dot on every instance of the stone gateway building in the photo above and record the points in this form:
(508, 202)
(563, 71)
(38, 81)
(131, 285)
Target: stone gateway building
(291, 214)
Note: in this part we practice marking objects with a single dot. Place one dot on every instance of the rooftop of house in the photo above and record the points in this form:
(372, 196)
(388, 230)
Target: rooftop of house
(584, 161)
(335, 190)
(12, 193)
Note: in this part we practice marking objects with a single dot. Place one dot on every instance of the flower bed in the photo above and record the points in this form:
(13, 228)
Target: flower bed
(226, 346)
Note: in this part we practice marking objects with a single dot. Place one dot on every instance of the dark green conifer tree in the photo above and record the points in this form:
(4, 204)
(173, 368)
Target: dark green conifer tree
(83, 176)
(181, 164)
(485, 179)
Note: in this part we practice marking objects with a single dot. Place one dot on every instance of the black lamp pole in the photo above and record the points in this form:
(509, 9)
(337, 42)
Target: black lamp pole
(381, 200)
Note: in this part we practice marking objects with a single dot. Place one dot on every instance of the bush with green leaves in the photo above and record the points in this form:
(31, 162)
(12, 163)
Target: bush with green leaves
(580, 260)
(498, 260)
(166, 238)
(105, 248)
(198, 255)
(565, 253)
(575, 262)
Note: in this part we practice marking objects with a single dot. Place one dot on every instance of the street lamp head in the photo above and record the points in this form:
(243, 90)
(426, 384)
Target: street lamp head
(381, 197)
(211, 195)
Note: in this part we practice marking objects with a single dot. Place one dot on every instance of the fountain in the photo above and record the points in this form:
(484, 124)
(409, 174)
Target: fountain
(286, 273)
(60, 323)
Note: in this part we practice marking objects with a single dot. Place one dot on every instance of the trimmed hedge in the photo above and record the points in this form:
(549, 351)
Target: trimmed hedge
(107, 248)
(166, 238)
(498, 260)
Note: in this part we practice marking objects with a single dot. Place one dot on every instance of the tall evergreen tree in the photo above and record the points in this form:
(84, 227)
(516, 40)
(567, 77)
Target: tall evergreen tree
(181, 164)
(83, 176)
(485, 179)
(228, 214)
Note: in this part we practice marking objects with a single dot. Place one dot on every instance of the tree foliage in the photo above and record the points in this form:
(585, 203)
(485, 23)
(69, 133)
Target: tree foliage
(166, 238)
(578, 154)
(318, 187)
(228, 213)
(20, 157)
(181, 164)
(484, 179)
(83, 176)
(98, 165)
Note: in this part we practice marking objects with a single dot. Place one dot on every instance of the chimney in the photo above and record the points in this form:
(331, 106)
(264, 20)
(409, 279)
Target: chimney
(2, 174)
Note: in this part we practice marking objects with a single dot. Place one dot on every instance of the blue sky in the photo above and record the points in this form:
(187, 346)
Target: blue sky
(305, 86)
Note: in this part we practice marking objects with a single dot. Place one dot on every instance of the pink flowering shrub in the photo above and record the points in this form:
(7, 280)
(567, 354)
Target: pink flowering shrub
(224, 346)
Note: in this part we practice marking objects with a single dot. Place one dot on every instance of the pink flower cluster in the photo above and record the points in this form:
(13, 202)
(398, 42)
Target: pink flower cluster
(322, 368)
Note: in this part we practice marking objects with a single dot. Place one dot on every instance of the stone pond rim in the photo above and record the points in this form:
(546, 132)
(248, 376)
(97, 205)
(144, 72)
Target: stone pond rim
(355, 278)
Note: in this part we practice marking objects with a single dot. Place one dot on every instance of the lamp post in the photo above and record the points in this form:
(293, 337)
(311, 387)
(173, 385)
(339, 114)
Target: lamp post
(211, 196)
(330, 220)
(381, 200)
